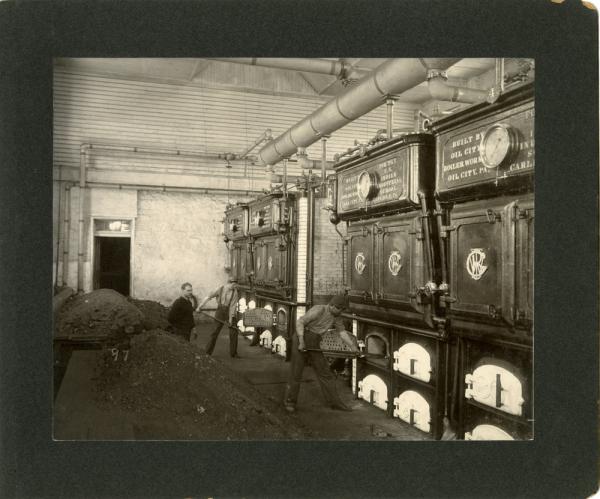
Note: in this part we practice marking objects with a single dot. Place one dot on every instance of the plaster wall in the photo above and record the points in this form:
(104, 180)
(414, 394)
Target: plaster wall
(178, 239)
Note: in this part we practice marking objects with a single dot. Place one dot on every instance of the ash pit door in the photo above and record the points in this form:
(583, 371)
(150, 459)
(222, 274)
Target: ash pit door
(488, 432)
(361, 264)
(374, 390)
(482, 261)
(411, 407)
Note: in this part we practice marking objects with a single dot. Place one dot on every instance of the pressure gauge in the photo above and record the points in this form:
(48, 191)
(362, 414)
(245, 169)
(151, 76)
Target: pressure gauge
(498, 145)
(366, 185)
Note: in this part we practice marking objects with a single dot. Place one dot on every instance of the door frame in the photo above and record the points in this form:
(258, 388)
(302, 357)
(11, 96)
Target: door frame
(104, 233)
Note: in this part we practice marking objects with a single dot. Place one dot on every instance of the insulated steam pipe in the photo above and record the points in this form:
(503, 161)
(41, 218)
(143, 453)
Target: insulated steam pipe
(441, 90)
(392, 77)
(266, 135)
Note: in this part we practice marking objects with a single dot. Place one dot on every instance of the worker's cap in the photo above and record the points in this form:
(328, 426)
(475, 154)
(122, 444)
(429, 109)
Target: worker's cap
(338, 301)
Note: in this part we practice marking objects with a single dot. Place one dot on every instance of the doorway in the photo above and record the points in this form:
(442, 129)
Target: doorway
(112, 257)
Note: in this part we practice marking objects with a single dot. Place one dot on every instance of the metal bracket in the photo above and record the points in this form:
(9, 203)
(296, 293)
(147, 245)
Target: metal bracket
(445, 229)
(494, 312)
(492, 216)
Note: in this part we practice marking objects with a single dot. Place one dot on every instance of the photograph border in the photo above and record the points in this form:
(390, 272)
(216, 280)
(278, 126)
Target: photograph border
(562, 39)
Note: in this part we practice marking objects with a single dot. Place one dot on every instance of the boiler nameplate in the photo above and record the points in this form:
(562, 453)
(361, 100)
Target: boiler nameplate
(461, 165)
(389, 176)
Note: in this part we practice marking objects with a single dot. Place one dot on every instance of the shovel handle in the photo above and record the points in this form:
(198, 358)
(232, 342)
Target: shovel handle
(345, 353)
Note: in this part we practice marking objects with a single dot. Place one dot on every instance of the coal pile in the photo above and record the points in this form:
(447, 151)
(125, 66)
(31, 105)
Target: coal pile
(175, 391)
(154, 314)
(103, 313)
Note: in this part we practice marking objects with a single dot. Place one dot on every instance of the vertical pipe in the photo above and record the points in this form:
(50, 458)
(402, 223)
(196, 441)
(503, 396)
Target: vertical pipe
(80, 252)
(323, 159)
(67, 230)
(285, 178)
(57, 279)
(426, 233)
(390, 117)
(311, 246)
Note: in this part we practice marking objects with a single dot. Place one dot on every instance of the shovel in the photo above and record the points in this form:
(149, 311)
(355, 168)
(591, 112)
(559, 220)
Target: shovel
(346, 353)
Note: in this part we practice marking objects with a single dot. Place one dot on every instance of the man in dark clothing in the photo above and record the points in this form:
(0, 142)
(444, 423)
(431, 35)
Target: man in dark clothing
(227, 297)
(309, 329)
(181, 315)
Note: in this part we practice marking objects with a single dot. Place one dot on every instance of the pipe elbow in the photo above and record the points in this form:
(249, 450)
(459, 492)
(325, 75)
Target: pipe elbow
(440, 89)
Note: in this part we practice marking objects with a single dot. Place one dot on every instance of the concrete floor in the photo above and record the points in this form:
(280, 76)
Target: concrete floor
(76, 416)
(269, 372)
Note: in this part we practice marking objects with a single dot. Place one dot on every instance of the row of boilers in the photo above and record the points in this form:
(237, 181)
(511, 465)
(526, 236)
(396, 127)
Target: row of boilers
(272, 245)
(440, 270)
(485, 176)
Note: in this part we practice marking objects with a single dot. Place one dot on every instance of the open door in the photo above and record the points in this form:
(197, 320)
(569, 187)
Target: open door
(112, 263)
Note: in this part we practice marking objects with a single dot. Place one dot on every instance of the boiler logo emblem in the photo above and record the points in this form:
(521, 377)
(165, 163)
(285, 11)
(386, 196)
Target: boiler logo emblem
(475, 266)
(395, 262)
(270, 262)
(359, 262)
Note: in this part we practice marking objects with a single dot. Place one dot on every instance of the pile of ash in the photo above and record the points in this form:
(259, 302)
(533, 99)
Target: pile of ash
(175, 391)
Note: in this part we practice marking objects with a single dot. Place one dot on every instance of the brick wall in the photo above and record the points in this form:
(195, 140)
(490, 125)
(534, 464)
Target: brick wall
(328, 272)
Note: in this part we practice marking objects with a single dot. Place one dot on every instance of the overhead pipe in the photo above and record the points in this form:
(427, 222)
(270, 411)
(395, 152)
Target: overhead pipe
(440, 89)
(516, 69)
(392, 77)
(321, 66)
(311, 164)
(142, 187)
(266, 135)
(166, 152)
